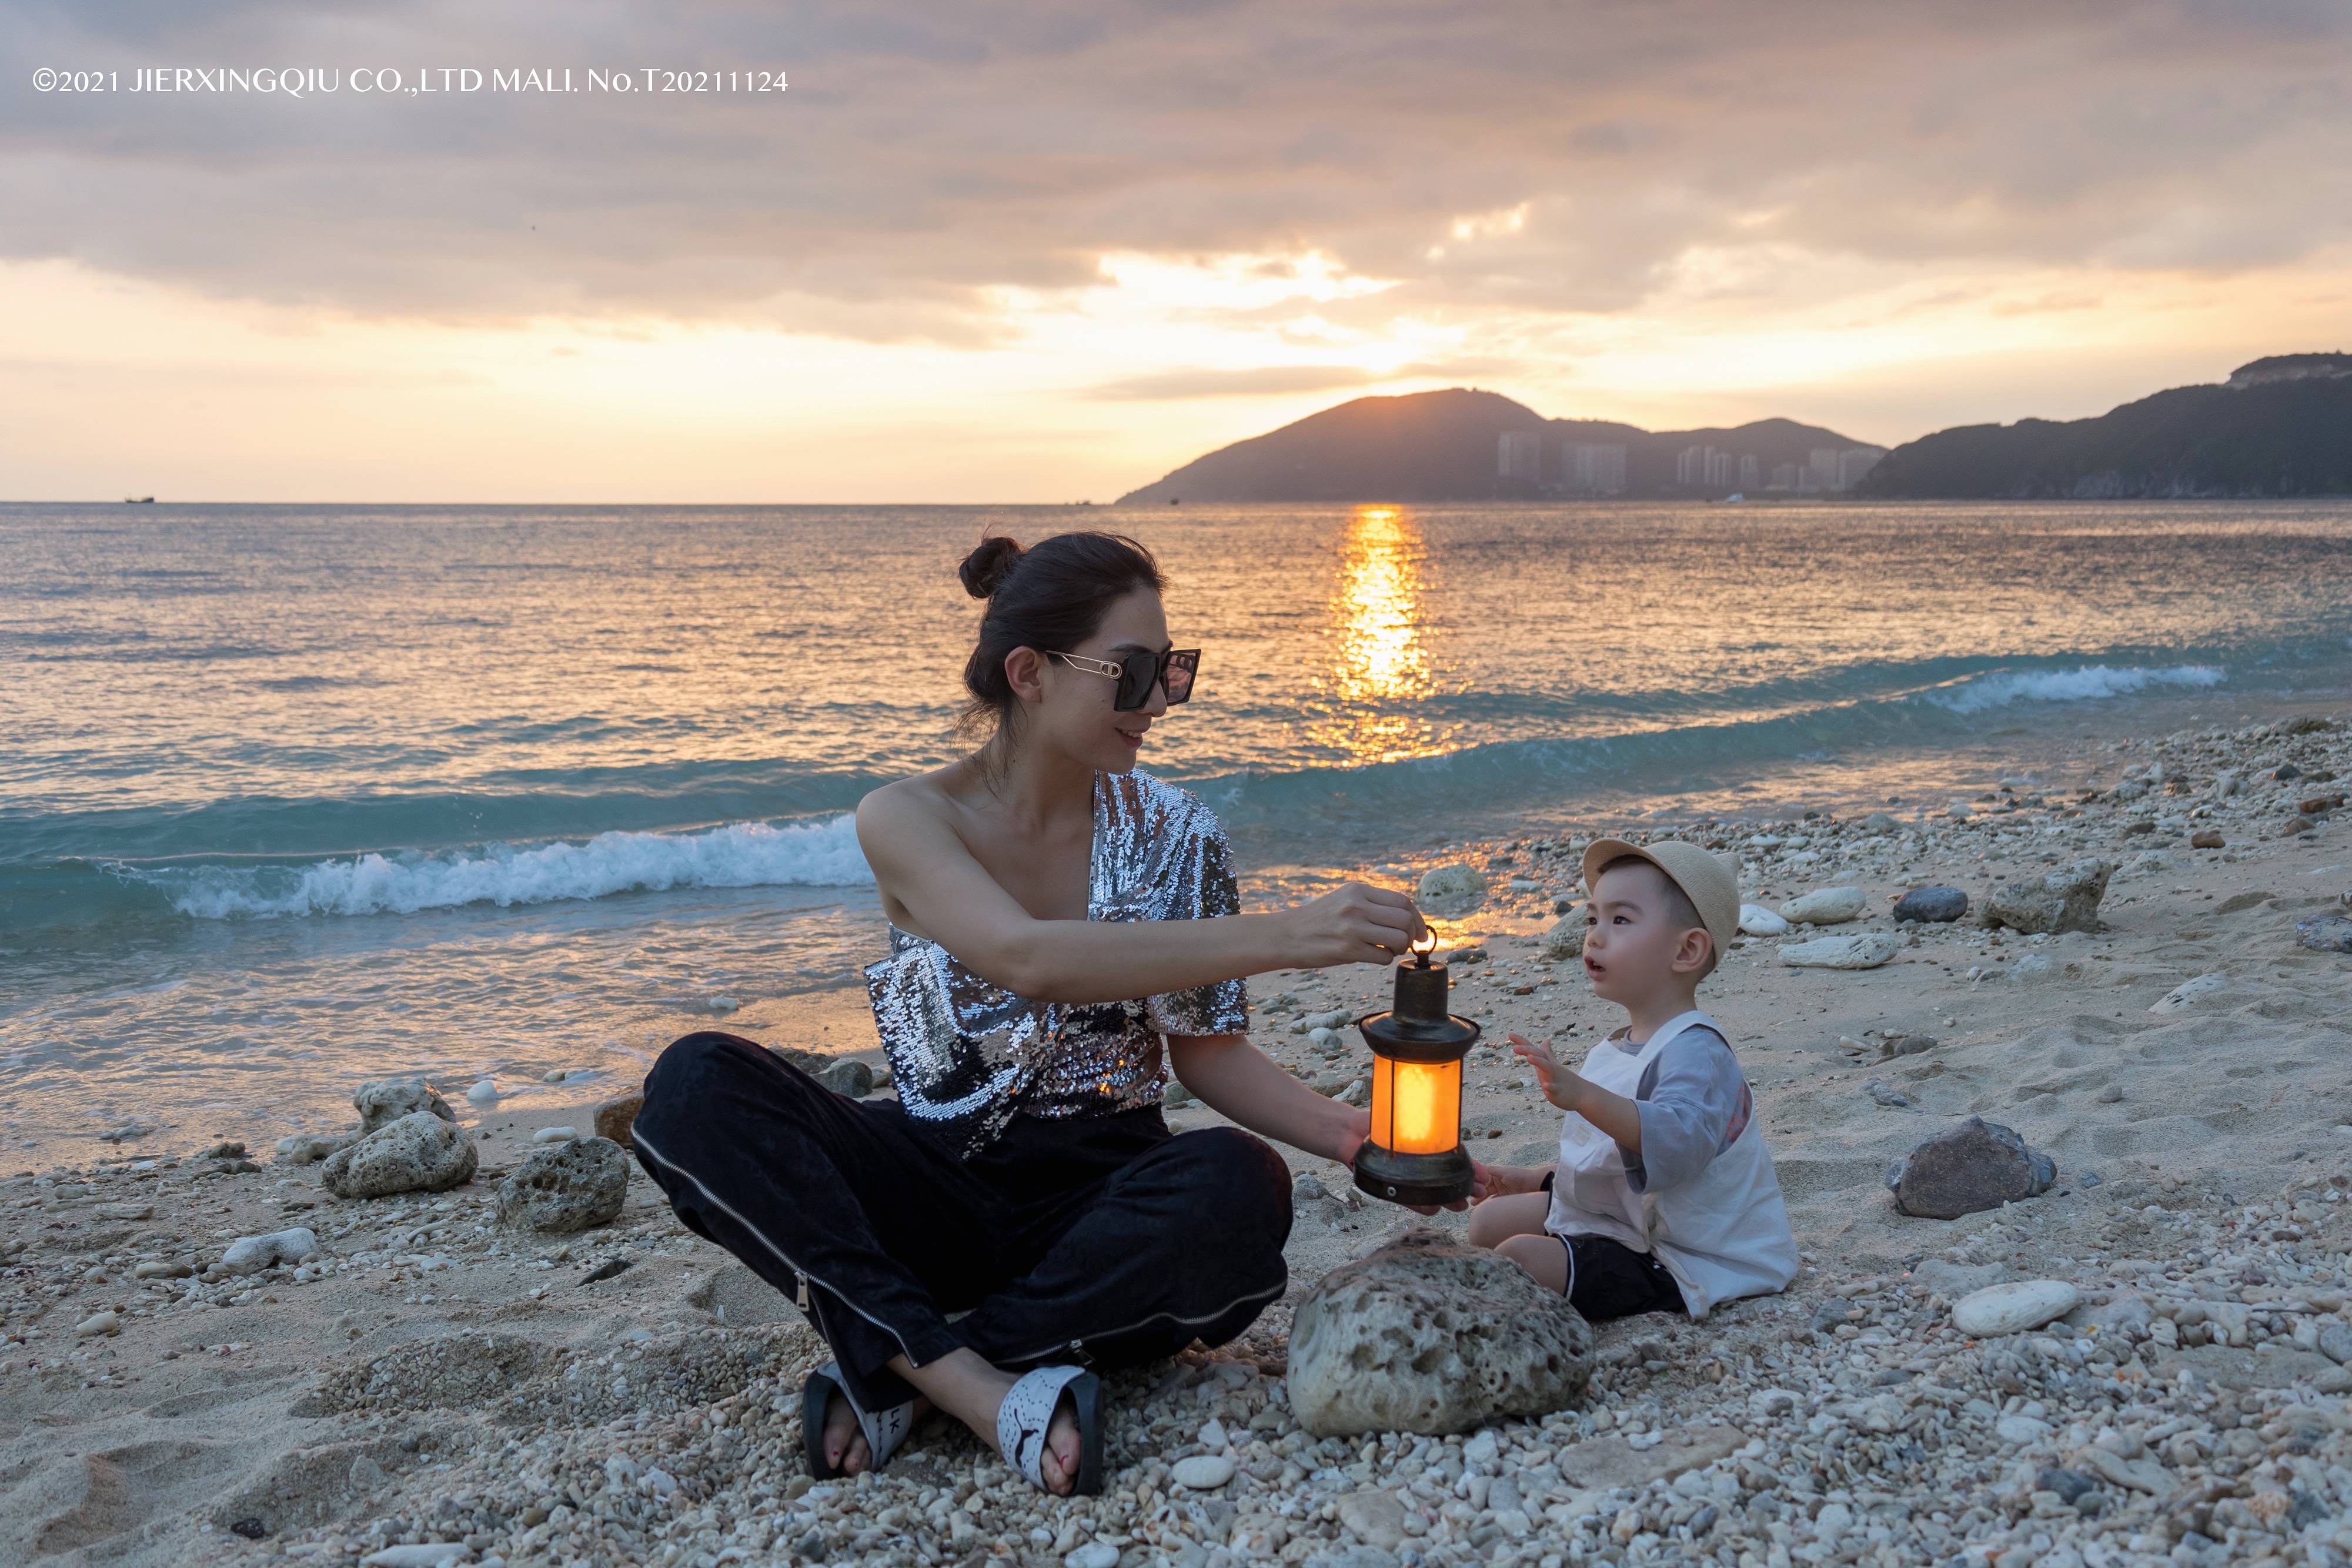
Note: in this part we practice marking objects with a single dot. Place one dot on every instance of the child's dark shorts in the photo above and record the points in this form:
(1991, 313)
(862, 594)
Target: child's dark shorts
(1609, 1280)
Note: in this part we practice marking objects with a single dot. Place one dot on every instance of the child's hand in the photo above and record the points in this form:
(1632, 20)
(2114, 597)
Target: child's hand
(1561, 1087)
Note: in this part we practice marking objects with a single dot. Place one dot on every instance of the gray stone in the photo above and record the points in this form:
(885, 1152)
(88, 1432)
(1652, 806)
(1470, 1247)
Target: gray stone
(1975, 1165)
(1427, 1335)
(1376, 1516)
(567, 1187)
(2068, 1484)
(1907, 1045)
(1600, 1465)
(615, 1118)
(384, 1101)
(1566, 938)
(1450, 892)
(1755, 920)
(1952, 1280)
(2013, 1308)
(1936, 906)
(1825, 906)
(1878, 824)
(2067, 899)
(252, 1254)
(1862, 950)
(2335, 1341)
(304, 1149)
(2126, 1312)
(2324, 933)
(2188, 993)
(418, 1153)
(1202, 1472)
(848, 1076)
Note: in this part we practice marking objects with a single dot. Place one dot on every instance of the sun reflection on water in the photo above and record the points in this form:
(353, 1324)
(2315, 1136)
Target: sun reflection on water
(1379, 663)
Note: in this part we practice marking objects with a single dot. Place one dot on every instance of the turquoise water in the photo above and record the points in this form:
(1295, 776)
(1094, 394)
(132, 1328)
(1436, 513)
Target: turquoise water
(297, 795)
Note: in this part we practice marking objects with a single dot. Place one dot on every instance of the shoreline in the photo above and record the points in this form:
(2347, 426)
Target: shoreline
(440, 1378)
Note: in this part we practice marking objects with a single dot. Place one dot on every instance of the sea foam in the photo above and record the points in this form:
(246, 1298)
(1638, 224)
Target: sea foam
(2005, 686)
(740, 854)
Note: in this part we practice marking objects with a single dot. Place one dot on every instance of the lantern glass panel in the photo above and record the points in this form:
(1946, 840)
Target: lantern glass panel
(1416, 1106)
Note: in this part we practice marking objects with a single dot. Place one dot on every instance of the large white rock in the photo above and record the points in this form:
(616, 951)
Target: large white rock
(1862, 950)
(567, 1187)
(1826, 906)
(2014, 1308)
(2067, 899)
(2188, 993)
(1427, 1335)
(417, 1153)
(1450, 892)
(1202, 1472)
(384, 1101)
(1756, 920)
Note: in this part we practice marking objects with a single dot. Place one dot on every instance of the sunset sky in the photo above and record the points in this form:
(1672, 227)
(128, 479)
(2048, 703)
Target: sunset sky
(1047, 252)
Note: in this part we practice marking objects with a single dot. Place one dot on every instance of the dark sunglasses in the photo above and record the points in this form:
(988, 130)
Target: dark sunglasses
(1139, 672)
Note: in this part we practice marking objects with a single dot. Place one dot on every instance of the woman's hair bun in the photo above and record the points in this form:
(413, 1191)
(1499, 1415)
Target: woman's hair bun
(989, 564)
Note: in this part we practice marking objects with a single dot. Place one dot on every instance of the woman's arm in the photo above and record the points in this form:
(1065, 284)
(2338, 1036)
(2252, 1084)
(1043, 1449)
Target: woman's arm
(1241, 1084)
(918, 861)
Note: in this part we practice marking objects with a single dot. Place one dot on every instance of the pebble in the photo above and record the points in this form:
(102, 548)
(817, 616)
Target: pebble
(1825, 906)
(1202, 1472)
(98, 1323)
(2188, 993)
(252, 1254)
(2325, 934)
(1935, 906)
(1863, 950)
(485, 1092)
(847, 1077)
(2207, 839)
(1093, 1554)
(553, 1135)
(426, 1555)
(1755, 920)
(2014, 1308)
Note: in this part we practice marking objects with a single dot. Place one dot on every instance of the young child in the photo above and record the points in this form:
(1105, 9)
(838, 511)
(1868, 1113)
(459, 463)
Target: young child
(1665, 1198)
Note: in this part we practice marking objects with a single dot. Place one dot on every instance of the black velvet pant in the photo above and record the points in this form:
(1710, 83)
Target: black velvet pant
(1105, 1241)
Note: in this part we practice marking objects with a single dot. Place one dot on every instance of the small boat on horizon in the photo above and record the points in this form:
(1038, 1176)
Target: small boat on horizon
(138, 500)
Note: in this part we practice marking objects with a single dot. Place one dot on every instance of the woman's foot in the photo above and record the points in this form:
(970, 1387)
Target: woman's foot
(844, 1441)
(968, 1388)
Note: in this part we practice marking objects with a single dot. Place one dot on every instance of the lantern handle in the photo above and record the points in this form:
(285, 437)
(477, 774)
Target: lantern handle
(1423, 947)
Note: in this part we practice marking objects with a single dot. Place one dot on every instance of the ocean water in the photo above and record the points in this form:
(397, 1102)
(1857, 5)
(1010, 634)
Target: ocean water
(291, 796)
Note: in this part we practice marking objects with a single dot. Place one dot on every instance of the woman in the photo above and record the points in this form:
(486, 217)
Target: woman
(1056, 915)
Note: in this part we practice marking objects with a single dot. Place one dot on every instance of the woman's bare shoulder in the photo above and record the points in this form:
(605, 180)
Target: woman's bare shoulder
(921, 807)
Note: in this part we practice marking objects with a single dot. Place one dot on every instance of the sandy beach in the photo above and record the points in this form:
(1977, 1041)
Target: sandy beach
(437, 1378)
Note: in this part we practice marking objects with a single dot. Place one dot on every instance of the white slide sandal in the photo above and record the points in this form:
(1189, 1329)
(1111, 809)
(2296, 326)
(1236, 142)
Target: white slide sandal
(884, 1429)
(1027, 1414)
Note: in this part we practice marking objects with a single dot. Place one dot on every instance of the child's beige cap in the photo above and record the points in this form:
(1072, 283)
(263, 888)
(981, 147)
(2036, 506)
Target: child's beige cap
(1707, 880)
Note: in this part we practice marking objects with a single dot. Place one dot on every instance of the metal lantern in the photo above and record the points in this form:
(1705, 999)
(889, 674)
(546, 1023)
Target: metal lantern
(1414, 1153)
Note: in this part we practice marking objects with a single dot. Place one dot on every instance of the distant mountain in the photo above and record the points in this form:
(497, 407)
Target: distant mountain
(2278, 426)
(1449, 447)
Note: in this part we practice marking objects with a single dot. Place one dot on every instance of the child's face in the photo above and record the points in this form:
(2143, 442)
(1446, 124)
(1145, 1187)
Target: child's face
(1632, 948)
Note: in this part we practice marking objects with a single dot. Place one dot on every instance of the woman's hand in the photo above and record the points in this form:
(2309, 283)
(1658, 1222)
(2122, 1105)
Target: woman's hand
(1355, 923)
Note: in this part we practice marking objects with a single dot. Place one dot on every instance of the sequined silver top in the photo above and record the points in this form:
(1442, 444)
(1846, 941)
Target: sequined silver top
(967, 1055)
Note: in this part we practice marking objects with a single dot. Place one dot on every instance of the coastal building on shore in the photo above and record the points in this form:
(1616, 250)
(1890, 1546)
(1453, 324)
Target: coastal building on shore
(1519, 456)
(1591, 468)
